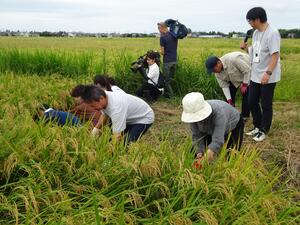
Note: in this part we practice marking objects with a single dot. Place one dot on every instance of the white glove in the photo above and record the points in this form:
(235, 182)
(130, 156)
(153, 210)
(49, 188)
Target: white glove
(95, 131)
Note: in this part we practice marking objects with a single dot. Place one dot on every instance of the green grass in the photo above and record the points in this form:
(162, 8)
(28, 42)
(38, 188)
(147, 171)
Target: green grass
(84, 57)
(62, 175)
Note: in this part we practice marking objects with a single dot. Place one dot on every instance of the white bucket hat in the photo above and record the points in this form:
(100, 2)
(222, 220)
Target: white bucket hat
(195, 108)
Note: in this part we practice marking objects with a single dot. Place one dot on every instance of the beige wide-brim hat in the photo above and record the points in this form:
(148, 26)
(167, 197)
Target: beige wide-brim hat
(195, 108)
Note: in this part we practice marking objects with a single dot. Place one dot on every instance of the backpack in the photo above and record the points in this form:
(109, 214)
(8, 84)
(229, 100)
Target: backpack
(177, 30)
(161, 81)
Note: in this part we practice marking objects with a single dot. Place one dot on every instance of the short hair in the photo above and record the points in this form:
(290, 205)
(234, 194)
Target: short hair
(257, 13)
(88, 93)
(162, 24)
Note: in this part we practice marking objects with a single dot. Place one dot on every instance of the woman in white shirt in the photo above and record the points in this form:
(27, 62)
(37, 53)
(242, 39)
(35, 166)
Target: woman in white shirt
(149, 90)
(106, 83)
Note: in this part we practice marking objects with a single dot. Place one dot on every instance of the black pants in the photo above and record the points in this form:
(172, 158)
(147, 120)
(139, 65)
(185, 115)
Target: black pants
(235, 136)
(148, 91)
(261, 104)
(135, 131)
(245, 104)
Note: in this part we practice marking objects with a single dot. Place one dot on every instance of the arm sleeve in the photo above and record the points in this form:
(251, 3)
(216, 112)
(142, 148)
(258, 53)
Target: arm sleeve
(226, 92)
(250, 52)
(198, 138)
(244, 67)
(118, 119)
(274, 43)
(218, 133)
(222, 83)
(162, 42)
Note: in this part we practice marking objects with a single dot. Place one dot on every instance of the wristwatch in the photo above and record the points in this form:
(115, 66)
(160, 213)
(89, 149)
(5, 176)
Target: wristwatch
(269, 72)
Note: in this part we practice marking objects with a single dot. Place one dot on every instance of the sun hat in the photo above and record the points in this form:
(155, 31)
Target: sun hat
(195, 108)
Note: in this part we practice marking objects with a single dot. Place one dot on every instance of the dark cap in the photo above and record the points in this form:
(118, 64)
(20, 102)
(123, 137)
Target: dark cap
(210, 63)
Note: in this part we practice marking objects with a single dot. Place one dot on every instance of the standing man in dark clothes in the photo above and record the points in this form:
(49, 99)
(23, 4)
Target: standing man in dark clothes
(168, 45)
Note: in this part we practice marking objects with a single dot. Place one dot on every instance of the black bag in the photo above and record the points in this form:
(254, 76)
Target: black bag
(177, 30)
(161, 81)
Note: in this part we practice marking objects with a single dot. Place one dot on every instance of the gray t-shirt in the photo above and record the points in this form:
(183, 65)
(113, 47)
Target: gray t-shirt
(264, 44)
(124, 109)
(221, 121)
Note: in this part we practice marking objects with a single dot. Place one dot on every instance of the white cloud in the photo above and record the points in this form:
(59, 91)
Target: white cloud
(140, 15)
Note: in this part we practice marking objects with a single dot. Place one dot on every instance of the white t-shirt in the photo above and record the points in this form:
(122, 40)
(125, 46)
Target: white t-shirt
(264, 44)
(153, 73)
(125, 109)
(115, 88)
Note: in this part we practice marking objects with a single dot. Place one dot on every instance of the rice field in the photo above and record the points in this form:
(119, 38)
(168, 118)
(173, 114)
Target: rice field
(63, 175)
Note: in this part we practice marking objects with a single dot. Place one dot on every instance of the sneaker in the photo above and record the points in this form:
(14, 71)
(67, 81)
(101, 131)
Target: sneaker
(253, 132)
(260, 136)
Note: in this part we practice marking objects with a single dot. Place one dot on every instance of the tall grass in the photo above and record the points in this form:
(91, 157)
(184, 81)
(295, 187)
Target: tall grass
(189, 76)
(62, 175)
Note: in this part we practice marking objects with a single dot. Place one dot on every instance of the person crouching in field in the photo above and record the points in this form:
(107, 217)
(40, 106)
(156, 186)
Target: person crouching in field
(48, 114)
(106, 83)
(82, 110)
(129, 114)
(211, 123)
(149, 89)
(232, 72)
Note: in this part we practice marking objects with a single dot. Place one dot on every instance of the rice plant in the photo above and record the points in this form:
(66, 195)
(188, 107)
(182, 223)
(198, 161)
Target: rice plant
(63, 175)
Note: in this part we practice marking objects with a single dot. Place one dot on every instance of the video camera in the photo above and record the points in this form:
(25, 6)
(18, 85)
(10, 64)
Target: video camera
(141, 62)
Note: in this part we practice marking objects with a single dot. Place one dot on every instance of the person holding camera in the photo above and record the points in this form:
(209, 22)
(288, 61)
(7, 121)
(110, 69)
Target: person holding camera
(232, 72)
(168, 46)
(149, 89)
(129, 114)
(213, 123)
(265, 71)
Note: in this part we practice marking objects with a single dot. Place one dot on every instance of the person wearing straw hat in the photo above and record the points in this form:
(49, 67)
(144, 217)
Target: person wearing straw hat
(212, 122)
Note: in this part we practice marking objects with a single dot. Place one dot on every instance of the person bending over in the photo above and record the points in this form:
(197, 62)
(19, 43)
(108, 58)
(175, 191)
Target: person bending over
(232, 72)
(129, 114)
(211, 123)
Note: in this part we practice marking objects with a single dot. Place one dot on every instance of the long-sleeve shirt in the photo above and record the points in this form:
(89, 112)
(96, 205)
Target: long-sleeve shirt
(220, 122)
(236, 69)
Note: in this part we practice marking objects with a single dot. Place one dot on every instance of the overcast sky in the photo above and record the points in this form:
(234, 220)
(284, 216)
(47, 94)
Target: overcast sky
(141, 15)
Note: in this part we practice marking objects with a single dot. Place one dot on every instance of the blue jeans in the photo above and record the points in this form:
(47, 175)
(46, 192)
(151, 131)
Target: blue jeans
(62, 118)
(135, 131)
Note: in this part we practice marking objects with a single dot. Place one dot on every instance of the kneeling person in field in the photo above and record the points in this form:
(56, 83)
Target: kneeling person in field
(232, 71)
(129, 114)
(212, 122)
